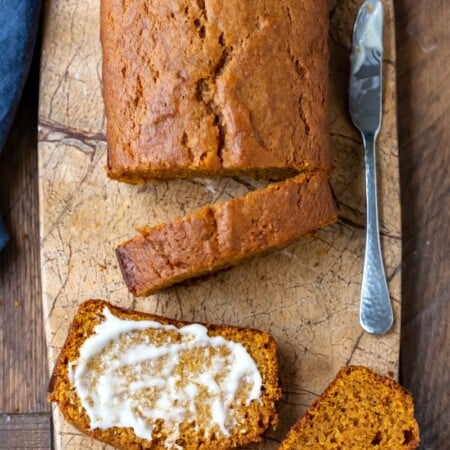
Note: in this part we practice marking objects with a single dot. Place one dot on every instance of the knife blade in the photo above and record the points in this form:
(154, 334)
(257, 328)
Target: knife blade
(365, 101)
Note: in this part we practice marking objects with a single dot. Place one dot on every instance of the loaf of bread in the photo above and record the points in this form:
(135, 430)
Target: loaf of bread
(139, 381)
(201, 88)
(359, 410)
(224, 234)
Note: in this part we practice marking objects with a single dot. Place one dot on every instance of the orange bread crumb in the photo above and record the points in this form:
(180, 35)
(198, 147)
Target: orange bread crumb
(359, 410)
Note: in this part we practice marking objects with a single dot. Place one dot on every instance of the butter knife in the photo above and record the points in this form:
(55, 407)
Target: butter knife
(365, 92)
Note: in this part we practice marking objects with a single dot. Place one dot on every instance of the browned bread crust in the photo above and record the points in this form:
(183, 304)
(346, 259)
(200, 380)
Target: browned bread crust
(260, 346)
(225, 233)
(359, 410)
(195, 88)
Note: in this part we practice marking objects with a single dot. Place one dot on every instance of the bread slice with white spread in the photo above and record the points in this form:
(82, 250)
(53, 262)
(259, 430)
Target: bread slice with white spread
(140, 381)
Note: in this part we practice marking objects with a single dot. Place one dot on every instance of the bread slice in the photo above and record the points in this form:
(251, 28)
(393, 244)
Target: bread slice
(154, 383)
(359, 410)
(194, 88)
(224, 234)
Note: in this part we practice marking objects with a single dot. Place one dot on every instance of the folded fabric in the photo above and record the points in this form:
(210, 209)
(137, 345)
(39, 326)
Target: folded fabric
(3, 235)
(18, 26)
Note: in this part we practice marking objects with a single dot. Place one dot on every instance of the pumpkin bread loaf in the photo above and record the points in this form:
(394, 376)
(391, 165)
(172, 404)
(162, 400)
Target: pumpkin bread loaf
(223, 234)
(359, 410)
(212, 87)
(139, 381)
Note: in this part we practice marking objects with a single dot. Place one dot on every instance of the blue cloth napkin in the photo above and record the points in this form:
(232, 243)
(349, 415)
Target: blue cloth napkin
(18, 26)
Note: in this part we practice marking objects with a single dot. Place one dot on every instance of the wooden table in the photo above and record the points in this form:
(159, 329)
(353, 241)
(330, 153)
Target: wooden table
(423, 52)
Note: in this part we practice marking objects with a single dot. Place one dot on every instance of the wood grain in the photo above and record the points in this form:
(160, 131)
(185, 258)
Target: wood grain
(424, 108)
(23, 431)
(306, 295)
(23, 372)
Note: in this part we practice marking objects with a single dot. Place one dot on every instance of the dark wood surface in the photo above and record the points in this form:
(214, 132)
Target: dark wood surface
(25, 431)
(423, 71)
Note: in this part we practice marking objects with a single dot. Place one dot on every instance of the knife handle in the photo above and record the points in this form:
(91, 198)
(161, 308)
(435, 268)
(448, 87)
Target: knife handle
(376, 314)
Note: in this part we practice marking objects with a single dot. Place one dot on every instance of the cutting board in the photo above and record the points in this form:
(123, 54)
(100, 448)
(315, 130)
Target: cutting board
(306, 295)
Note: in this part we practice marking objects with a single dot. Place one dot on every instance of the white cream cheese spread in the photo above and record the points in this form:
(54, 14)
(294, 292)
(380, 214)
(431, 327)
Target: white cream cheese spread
(140, 374)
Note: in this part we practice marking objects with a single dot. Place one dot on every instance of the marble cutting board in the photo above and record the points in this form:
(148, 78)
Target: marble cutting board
(306, 295)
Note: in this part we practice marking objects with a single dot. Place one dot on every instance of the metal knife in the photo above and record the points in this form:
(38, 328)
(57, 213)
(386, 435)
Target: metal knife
(365, 91)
